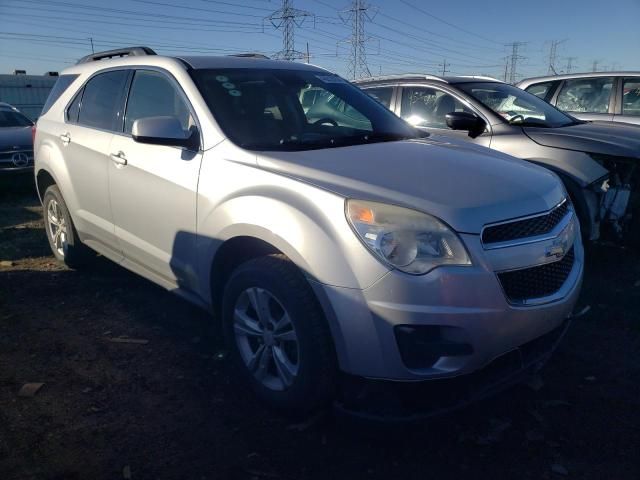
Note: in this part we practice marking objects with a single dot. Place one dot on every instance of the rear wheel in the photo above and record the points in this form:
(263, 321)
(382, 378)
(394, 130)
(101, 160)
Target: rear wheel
(278, 338)
(61, 233)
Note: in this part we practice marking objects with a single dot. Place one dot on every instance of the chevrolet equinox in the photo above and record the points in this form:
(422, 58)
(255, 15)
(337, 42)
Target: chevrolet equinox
(333, 241)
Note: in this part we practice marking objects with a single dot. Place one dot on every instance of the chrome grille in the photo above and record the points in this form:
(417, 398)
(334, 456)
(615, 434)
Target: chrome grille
(7, 158)
(529, 227)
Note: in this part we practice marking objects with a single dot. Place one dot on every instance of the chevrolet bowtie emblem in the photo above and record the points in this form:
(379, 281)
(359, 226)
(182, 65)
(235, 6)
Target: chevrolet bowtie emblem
(557, 249)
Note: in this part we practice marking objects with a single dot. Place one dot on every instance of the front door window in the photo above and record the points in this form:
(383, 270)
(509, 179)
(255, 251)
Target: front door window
(428, 107)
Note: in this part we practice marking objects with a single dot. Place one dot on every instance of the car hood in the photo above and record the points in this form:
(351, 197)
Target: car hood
(464, 185)
(592, 137)
(11, 137)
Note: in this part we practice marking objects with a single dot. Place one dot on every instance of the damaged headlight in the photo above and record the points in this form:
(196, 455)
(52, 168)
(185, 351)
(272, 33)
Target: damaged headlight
(406, 239)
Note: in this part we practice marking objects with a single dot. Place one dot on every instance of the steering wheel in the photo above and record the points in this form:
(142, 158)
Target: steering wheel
(326, 121)
(515, 117)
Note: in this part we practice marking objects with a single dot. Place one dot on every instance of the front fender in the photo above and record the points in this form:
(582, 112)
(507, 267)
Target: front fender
(312, 232)
(578, 166)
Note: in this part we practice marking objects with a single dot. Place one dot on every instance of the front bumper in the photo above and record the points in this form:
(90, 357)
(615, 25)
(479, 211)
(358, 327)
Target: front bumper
(467, 303)
(399, 402)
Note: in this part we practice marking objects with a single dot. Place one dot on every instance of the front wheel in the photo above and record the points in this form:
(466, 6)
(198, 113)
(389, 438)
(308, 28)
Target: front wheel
(277, 336)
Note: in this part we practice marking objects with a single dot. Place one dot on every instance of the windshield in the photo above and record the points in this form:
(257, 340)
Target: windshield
(516, 106)
(274, 109)
(11, 118)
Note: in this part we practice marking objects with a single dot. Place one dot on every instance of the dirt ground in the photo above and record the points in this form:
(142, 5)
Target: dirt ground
(169, 408)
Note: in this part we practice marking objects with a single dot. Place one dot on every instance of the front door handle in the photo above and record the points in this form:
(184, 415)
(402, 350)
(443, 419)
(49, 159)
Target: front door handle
(65, 138)
(119, 158)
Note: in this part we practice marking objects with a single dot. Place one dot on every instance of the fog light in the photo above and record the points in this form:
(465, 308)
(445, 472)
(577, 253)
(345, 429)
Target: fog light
(421, 346)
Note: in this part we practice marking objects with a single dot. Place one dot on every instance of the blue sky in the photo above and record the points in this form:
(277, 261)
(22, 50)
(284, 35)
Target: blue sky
(404, 35)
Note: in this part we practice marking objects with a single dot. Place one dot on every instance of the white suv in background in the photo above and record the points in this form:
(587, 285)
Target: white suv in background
(333, 242)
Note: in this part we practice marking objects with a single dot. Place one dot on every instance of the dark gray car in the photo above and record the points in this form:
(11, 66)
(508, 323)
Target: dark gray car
(602, 96)
(16, 143)
(596, 161)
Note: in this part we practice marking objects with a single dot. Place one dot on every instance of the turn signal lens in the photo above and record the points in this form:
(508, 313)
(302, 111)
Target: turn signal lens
(406, 239)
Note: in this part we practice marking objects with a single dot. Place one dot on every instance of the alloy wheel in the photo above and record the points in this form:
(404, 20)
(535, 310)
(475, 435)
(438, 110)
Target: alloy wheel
(266, 338)
(57, 227)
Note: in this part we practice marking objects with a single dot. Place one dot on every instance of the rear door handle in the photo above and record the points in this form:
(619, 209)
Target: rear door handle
(65, 138)
(119, 158)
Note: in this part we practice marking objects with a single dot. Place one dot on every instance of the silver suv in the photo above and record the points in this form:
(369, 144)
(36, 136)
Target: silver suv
(332, 246)
(596, 161)
(595, 96)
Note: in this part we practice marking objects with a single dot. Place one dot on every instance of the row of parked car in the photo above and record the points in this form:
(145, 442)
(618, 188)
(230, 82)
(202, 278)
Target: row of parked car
(596, 161)
(350, 255)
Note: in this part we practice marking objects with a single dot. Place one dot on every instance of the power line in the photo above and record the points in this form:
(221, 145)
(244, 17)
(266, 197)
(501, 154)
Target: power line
(288, 18)
(155, 16)
(449, 23)
(138, 38)
(185, 21)
(421, 29)
(422, 40)
(238, 5)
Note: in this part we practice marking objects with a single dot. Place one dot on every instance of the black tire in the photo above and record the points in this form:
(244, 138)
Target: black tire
(314, 384)
(74, 253)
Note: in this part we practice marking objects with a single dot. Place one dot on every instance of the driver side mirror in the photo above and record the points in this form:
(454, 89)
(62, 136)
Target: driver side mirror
(165, 131)
(466, 121)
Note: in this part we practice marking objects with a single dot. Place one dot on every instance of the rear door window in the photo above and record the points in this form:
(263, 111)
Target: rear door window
(102, 101)
(586, 95)
(543, 90)
(631, 96)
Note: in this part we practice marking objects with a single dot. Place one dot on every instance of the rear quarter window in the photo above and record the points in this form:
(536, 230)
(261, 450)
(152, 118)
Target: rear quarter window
(382, 94)
(58, 89)
(543, 90)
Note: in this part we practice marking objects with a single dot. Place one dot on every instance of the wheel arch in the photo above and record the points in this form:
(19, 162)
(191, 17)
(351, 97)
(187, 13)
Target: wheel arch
(583, 199)
(44, 180)
(230, 255)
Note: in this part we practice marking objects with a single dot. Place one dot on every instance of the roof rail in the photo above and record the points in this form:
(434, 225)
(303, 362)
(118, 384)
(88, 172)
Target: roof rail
(249, 55)
(415, 76)
(481, 77)
(118, 52)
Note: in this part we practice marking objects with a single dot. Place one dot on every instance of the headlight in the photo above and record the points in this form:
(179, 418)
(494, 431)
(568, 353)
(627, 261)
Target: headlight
(406, 239)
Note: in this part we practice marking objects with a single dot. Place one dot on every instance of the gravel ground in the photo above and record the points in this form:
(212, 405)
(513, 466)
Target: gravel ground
(167, 407)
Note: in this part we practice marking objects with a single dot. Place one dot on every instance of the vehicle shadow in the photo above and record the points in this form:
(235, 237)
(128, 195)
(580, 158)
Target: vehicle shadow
(134, 377)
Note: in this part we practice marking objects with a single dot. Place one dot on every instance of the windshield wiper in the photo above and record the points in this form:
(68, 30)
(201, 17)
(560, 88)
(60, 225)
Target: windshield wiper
(386, 137)
(293, 144)
(529, 123)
